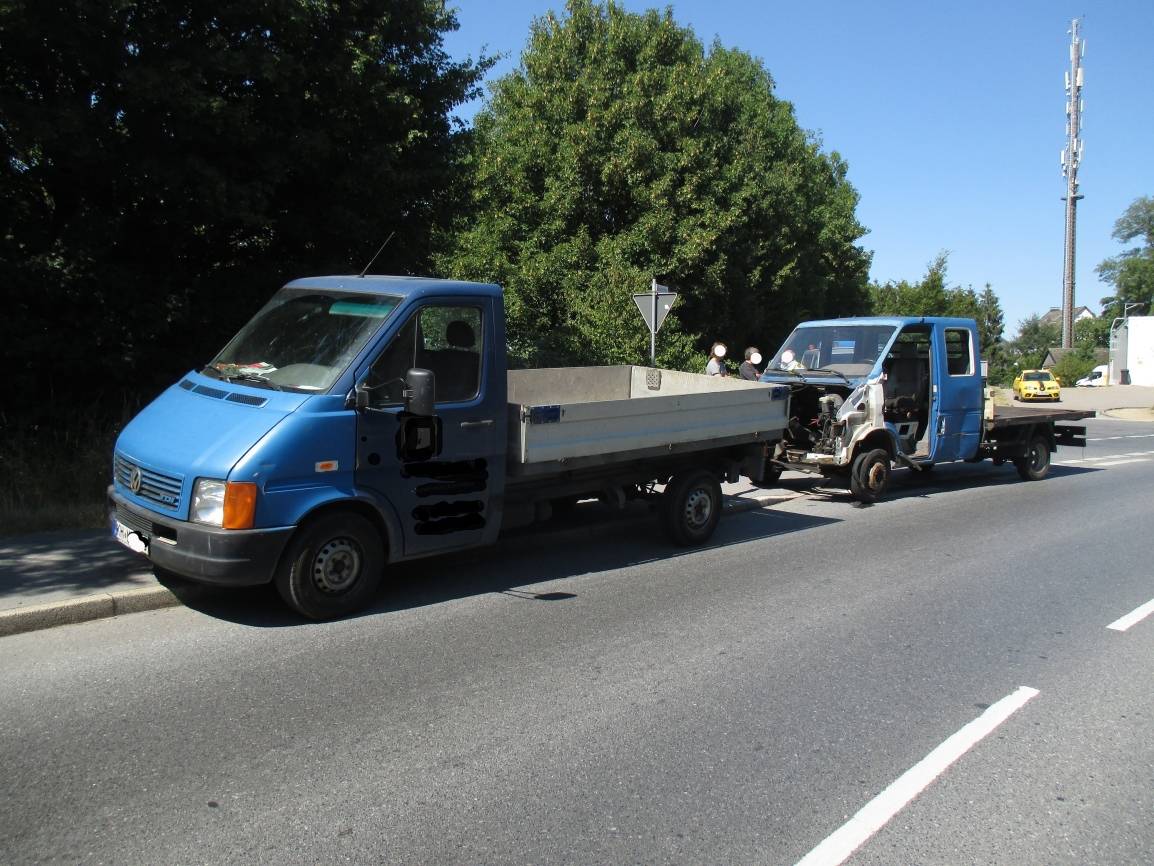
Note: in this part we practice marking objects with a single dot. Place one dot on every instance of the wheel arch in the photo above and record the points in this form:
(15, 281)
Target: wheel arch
(365, 507)
(883, 439)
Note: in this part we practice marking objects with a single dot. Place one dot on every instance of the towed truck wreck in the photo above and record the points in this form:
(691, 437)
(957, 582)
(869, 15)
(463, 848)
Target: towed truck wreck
(872, 393)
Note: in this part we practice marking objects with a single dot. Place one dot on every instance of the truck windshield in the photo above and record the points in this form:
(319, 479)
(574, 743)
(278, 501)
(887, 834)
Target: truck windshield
(850, 350)
(302, 339)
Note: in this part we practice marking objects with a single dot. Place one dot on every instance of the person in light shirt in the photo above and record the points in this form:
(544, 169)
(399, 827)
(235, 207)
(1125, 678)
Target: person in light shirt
(716, 364)
(789, 361)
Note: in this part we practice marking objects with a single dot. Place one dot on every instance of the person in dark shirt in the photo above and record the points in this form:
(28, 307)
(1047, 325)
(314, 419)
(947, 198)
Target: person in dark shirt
(748, 369)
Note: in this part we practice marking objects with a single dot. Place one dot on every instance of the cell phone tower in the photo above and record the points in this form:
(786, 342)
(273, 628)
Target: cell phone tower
(1071, 159)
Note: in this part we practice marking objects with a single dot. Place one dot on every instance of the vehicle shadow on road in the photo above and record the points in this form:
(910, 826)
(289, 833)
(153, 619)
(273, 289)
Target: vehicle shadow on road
(604, 542)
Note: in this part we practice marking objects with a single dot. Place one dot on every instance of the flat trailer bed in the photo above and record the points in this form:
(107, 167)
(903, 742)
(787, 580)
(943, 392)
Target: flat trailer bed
(1011, 416)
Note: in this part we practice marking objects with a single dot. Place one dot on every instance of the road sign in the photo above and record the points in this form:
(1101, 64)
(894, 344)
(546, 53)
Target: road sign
(645, 303)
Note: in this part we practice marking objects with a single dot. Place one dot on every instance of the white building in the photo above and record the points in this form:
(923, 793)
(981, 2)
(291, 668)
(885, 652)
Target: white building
(1132, 351)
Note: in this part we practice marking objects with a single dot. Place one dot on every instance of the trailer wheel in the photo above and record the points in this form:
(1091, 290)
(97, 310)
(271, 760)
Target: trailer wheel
(1036, 464)
(332, 567)
(870, 475)
(691, 507)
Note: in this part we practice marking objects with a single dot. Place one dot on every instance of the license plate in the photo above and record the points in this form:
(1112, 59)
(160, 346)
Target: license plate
(130, 538)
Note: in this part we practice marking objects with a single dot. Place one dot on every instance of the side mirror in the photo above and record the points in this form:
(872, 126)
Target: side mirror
(420, 392)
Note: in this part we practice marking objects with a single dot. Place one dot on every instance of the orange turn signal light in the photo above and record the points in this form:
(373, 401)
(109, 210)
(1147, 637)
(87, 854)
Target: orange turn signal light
(239, 505)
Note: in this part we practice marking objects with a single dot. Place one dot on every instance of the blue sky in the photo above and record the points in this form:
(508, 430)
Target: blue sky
(951, 116)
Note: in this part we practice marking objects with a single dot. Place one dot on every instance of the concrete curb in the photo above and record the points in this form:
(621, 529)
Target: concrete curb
(97, 606)
(1127, 413)
(107, 604)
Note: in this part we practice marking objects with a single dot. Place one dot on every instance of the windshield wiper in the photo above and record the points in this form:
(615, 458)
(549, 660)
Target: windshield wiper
(212, 371)
(253, 378)
(831, 372)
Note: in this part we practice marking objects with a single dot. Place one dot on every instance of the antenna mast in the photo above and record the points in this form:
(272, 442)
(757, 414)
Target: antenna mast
(1071, 159)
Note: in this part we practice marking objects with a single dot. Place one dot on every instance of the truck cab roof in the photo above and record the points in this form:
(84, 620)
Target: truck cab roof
(896, 321)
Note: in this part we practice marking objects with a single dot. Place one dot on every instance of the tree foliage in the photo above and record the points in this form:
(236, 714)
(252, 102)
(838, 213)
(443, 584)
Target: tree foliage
(1035, 339)
(1132, 272)
(622, 150)
(163, 166)
(931, 296)
(1074, 365)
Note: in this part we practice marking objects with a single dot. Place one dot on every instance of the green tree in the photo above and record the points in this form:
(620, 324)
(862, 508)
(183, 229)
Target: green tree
(1092, 333)
(1131, 272)
(622, 150)
(991, 319)
(930, 296)
(1035, 339)
(163, 166)
(1074, 365)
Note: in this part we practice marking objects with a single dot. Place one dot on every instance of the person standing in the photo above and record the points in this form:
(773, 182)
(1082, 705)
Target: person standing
(716, 364)
(748, 369)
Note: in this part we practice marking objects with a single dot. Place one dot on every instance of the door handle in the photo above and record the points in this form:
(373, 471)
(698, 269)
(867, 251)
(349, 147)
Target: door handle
(468, 425)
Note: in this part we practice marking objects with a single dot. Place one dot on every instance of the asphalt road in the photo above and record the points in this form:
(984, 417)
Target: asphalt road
(626, 703)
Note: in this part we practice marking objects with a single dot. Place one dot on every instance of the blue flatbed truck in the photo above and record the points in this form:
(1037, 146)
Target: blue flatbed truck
(355, 422)
(872, 393)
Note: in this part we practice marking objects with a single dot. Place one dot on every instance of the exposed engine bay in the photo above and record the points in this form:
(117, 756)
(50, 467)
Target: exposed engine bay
(816, 424)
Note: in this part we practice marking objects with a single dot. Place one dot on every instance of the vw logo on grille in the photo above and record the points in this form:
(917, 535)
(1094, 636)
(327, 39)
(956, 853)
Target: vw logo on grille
(134, 479)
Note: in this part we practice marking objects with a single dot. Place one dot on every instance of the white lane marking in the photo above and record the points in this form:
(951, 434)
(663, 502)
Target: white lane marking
(1100, 457)
(838, 847)
(1134, 617)
(1123, 462)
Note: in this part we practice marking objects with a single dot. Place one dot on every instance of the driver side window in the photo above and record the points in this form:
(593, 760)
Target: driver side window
(444, 339)
(386, 379)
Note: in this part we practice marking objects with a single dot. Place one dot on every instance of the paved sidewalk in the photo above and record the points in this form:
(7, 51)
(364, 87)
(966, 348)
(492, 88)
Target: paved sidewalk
(54, 578)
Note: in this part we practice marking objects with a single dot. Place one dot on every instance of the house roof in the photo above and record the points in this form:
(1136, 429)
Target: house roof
(1055, 354)
(1053, 316)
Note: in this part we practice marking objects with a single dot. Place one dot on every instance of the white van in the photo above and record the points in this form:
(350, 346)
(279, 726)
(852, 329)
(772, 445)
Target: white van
(1098, 376)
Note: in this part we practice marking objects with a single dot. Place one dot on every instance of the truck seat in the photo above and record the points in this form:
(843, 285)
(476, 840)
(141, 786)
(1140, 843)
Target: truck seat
(906, 384)
(456, 368)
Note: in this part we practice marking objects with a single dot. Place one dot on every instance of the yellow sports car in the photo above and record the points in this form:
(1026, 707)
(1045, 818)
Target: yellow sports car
(1037, 385)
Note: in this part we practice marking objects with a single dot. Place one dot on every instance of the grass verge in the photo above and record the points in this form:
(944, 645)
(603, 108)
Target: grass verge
(55, 477)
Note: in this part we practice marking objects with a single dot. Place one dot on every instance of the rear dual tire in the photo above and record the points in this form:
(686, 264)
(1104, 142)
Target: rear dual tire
(1035, 465)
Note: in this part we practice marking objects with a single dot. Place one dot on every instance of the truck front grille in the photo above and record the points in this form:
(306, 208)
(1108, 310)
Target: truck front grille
(154, 486)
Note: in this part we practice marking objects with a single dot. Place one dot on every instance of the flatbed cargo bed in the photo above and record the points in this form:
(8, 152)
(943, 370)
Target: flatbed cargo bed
(580, 416)
(1013, 416)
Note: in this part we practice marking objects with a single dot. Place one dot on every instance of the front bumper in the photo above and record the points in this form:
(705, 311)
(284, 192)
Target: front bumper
(206, 554)
(1039, 395)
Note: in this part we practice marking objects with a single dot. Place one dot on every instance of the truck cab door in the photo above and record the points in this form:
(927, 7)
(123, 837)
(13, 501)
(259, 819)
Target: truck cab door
(956, 406)
(440, 495)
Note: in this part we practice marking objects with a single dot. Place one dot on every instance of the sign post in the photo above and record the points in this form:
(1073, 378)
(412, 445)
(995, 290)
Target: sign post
(654, 306)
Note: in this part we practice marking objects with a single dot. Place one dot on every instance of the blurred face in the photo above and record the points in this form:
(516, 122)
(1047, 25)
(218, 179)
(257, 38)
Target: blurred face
(718, 350)
(787, 356)
(755, 358)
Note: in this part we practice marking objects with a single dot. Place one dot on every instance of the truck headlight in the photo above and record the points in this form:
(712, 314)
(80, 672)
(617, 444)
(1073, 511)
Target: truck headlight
(207, 502)
(229, 504)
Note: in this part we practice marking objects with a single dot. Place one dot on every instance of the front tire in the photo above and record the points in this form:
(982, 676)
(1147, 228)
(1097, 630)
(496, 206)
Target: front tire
(870, 475)
(1036, 464)
(333, 566)
(691, 507)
